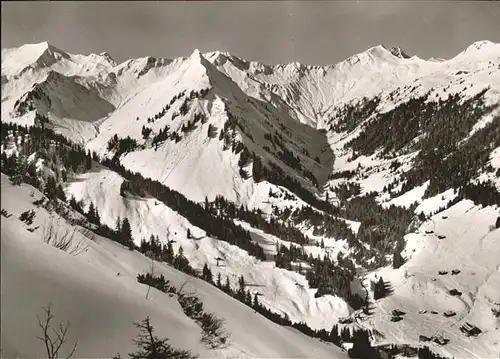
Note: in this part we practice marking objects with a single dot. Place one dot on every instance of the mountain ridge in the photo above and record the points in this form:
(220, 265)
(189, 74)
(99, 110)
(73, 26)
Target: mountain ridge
(45, 46)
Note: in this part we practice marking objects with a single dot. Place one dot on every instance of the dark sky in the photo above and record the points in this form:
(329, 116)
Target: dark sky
(311, 32)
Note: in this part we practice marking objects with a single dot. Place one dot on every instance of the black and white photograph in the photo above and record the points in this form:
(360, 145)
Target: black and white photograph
(250, 179)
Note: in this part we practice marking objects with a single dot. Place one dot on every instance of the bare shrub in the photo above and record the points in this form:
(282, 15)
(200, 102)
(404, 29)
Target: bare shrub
(63, 238)
(53, 338)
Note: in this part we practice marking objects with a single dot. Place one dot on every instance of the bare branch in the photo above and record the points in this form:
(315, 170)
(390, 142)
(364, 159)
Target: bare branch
(72, 350)
(53, 344)
(63, 238)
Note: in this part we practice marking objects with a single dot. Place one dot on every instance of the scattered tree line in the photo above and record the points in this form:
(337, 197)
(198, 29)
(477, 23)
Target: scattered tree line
(152, 248)
(447, 156)
(383, 229)
(215, 226)
(277, 176)
(342, 174)
(59, 154)
(164, 110)
(226, 209)
(121, 145)
(456, 167)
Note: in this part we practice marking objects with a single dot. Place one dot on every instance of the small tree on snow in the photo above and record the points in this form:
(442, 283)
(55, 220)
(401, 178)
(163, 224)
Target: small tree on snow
(149, 346)
(218, 283)
(207, 274)
(126, 234)
(241, 290)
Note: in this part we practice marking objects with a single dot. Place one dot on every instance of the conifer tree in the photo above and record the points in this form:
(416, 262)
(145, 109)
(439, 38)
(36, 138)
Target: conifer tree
(88, 161)
(227, 285)
(334, 335)
(207, 274)
(181, 262)
(126, 234)
(97, 217)
(91, 213)
(361, 346)
(256, 303)
(397, 259)
(241, 289)
(379, 289)
(51, 188)
(60, 193)
(118, 225)
(169, 255)
(74, 204)
(248, 297)
(149, 346)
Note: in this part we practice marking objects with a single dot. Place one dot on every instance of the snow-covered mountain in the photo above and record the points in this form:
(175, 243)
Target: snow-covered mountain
(104, 99)
(316, 151)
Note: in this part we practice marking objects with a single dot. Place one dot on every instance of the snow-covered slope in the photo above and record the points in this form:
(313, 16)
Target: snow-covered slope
(182, 165)
(45, 55)
(261, 99)
(282, 291)
(460, 238)
(313, 92)
(98, 293)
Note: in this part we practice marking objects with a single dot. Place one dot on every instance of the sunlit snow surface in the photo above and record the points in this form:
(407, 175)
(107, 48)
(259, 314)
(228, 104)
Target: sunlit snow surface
(98, 293)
